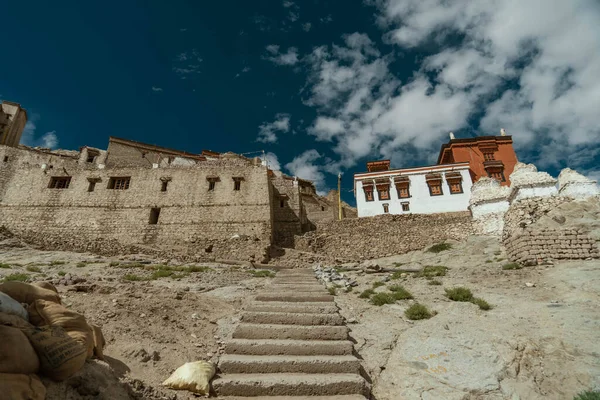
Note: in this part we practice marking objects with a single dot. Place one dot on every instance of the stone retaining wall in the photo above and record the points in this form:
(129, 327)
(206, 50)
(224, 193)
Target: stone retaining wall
(532, 247)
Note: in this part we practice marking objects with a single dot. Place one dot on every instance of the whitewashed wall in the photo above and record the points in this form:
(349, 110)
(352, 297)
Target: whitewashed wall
(420, 202)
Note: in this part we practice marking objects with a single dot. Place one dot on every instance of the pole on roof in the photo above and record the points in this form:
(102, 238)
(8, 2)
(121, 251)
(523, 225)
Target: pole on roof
(340, 196)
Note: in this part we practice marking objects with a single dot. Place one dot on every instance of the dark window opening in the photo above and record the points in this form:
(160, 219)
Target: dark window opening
(322, 208)
(59, 182)
(164, 186)
(154, 214)
(121, 183)
(91, 186)
(498, 175)
(237, 183)
(5, 158)
(405, 207)
(282, 203)
(91, 156)
(211, 185)
(386, 208)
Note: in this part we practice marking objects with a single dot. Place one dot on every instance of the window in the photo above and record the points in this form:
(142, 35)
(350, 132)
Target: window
(455, 186)
(498, 175)
(402, 187)
(154, 214)
(119, 183)
(91, 156)
(434, 181)
(386, 208)
(91, 186)
(59, 182)
(237, 183)
(369, 193)
(322, 208)
(212, 182)
(211, 185)
(5, 158)
(383, 191)
(405, 206)
(281, 203)
(164, 185)
(488, 156)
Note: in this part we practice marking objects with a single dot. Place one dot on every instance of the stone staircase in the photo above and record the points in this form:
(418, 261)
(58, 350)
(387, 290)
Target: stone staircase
(291, 344)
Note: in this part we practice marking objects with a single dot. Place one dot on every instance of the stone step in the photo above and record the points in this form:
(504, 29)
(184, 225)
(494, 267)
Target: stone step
(295, 297)
(303, 282)
(276, 306)
(289, 385)
(289, 347)
(287, 318)
(247, 364)
(302, 288)
(297, 332)
(343, 397)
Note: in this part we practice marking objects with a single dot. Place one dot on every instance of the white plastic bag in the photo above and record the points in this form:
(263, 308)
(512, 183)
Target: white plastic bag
(192, 376)
(9, 305)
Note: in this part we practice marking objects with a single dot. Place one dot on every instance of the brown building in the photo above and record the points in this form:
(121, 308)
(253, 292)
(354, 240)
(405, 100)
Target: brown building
(143, 198)
(491, 156)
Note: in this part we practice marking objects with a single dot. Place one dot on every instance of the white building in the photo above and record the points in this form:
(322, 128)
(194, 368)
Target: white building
(422, 190)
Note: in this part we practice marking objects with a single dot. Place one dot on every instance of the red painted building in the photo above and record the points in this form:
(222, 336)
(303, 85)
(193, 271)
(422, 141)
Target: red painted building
(491, 156)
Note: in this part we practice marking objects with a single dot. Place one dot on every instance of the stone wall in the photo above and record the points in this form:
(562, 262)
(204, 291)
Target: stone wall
(525, 212)
(193, 220)
(287, 210)
(384, 235)
(532, 246)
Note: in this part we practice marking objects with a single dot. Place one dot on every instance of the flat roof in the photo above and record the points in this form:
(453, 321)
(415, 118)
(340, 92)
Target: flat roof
(152, 147)
(461, 165)
(506, 138)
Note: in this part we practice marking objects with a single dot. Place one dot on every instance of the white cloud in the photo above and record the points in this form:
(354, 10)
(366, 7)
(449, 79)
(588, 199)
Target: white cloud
(47, 140)
(187, 63)
(156, 89)
(288, 4)
(306, 26)
(267, 132)
(303, 166)
(271, 160)
(288, 58)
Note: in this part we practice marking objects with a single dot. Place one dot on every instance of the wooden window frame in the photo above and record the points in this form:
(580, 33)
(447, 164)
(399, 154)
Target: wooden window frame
(386, 208)
(405, 206)
(488, 156)
(237, 183)
(212, 182)
(119, 182)
(436, 183)
(458, 182)
(59, 182)
(500, 172)
(369, 195)
(154, 216)
(383, 192)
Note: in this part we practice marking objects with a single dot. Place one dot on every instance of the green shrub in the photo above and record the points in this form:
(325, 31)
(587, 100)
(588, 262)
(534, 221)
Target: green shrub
(57, 262)
(377, 284)
(418, 311)
(366, 294)
(438, 248)
(399, 293)
(134, 278)
(114, 264)
(483, 305)
(61, 273)
(380, 299)
(349, 289)
(196, 268)
(3, 265)
(16, 277)
(81, 264)
(431, 271)
(510, 266)
(588, 395)
(331, 291)
(459, 294)
(499, 259)
(488, 261)
(33, 268)
(264, 273)
(435, 282)
(497, 252)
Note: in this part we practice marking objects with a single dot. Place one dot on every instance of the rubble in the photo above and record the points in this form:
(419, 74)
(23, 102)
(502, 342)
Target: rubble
(332, 278)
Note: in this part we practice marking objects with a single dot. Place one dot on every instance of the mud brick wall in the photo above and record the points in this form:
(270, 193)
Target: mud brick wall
(288, 211)
(384, 235)
(523, 213)
(532, 247)
(223, 223)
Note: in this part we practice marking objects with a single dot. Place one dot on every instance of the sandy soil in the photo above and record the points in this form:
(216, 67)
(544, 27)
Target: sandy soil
(151, 327)
(538, 342)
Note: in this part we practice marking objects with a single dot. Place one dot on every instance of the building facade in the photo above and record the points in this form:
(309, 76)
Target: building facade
(12, 122)
(424, 190)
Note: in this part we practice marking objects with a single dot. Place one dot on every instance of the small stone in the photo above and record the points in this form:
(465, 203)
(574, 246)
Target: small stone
(142, 315)
(195, 316)
(209, 354)
(529, 284)
(352, 321)
(194, 336)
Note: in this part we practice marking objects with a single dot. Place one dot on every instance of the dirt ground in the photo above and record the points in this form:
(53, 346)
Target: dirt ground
(151, 326)
(541, 339)
(537, 342)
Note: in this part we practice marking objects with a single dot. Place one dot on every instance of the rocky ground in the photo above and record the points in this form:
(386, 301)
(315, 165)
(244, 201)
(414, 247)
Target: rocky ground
(539, 341)
(152, 323)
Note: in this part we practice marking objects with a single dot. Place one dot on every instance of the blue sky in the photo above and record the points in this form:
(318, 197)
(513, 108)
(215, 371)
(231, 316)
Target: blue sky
(320, 85)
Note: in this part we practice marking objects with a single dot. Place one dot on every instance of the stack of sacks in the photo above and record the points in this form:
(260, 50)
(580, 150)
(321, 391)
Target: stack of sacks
(42, 337)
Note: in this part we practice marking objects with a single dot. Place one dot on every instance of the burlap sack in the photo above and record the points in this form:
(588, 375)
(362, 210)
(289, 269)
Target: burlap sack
(42, 312)
(45, 285)
(99, 342)
(21, 387)
(16, 353)
(14, 321)
(192, 376)
(26, 293)
(60, 356)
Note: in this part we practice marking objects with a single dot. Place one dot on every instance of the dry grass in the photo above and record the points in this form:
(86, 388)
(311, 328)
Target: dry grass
(438, 248)
(418, 311)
